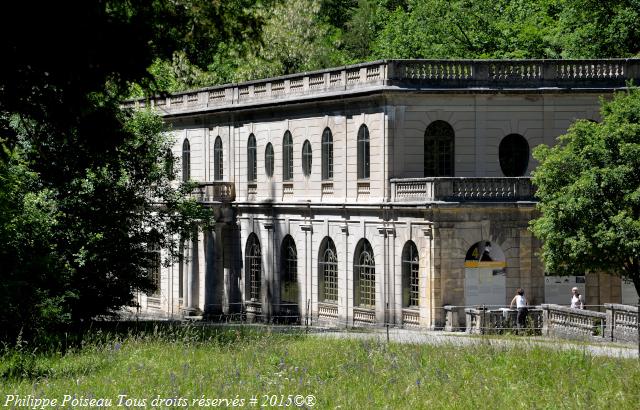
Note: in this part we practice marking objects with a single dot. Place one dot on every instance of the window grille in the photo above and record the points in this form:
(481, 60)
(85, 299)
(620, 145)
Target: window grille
(410, 271)
(365, 269)
(329, 272)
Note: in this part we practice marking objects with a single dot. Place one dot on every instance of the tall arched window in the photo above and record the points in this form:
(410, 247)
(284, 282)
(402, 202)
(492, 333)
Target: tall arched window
(287, 157)
(218, 165)
(155, 263)
(268, 160)
(364, 271)
(289, 269)
(186, 161)
(439, 153)
(307, 157)
(254, 267)
(328, 271)
(252, 159)
(410, 269)
(513, 153)
(327, 154)
(363, 152)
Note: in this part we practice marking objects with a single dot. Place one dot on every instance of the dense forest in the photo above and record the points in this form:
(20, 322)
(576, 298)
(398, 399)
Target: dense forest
(304, 35)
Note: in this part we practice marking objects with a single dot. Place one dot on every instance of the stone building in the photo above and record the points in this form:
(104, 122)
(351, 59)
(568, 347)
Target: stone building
(375, 193)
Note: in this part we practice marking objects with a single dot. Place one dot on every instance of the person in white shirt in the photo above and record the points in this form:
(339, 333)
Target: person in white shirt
(576, 299)
(520, 303)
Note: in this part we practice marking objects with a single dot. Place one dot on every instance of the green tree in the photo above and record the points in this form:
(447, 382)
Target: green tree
(589, 191)
(82, 179)
(465, 29)
(595, 28)
(294, 39)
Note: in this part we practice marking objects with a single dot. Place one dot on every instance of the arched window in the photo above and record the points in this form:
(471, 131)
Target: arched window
(513, 153)
(218, 165)
(328, 271)
(306, 158)
(268, 160)
(155, 263)
(252, 159)
(439, 150)
(254, 267)
(327, 154)
(410, 269)
(364, 272)
(287, 157)
(186, 161)
(289, 270)
(363, 152)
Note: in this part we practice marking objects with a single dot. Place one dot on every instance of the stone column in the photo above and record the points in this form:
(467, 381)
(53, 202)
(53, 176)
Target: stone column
(306, 286)
(345, 281)
(186, 273)
(269, 283)
(427, 282)
(193, 276)
(213, 289)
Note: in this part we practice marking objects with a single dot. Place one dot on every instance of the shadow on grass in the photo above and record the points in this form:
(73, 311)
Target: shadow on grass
(95, 347)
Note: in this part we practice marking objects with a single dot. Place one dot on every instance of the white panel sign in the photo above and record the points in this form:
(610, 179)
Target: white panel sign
(485, 286)
(629, 294)
(557, 289)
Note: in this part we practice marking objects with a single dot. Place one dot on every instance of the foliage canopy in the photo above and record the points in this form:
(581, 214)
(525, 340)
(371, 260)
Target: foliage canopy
(81, 180)
(589, 191)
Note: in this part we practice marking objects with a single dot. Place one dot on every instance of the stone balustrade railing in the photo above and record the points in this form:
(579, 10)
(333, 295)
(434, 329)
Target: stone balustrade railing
(410, 317)
(519, 73)
(565, 322)
(495, 321)
(327, 311)
(364, 316)
(405, 74)
(215, 192)
(622, 322)
(462, 189)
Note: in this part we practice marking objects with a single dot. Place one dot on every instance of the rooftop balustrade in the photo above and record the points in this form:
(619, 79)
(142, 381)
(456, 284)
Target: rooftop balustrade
(397, 75)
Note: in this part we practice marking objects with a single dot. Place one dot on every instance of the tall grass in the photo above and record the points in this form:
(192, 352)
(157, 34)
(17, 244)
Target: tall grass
(193, 362)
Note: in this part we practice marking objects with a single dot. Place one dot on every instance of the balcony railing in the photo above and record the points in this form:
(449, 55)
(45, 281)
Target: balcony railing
(451, 189)
(406, 74)
(215, 192)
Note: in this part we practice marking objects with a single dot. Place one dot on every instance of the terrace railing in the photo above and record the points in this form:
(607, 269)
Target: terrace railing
(215, 192)
(405, 74)
(622, 322)
(566, 322)
(476, 189)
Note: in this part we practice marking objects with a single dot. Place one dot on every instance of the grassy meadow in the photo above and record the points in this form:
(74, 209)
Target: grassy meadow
(191, 367)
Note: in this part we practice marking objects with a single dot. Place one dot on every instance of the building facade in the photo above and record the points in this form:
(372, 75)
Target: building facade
(375, 193)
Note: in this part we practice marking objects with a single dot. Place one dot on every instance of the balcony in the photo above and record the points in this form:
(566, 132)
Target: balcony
(449, 189)
(215, 192)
